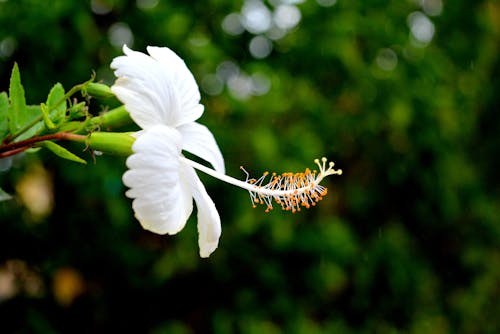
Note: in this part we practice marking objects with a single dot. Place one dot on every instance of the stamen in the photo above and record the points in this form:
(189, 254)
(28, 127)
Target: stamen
(291, 191)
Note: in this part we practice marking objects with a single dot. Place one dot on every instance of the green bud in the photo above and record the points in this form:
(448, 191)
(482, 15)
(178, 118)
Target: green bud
(119, 143)
(78, 110)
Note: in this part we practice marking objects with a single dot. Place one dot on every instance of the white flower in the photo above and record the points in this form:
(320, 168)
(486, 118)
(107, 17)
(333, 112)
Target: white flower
(163, 188)
(162, 97)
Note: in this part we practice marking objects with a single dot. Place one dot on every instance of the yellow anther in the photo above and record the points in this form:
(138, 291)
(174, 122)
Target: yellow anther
(291, 190)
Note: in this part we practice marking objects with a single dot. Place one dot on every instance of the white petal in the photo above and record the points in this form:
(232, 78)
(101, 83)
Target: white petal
(189, 93)
(149, 93)
(162, 195)
(209, 226)
(198, 139)
(158, 89)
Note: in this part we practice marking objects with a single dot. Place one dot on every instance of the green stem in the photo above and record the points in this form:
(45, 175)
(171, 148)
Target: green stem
(17, 147)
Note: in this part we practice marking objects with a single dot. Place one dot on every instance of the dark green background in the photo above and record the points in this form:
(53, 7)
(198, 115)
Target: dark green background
(407, 239)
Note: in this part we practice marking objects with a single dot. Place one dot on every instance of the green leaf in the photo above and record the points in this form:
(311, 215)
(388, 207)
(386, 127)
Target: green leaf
(4, 196)
(62, 152)
(38, 127)
(39, 120)
(17, 108)
(56, 104)
(4, 120)
(20, 116)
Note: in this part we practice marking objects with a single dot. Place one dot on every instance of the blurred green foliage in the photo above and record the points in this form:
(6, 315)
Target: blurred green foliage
(401, 94)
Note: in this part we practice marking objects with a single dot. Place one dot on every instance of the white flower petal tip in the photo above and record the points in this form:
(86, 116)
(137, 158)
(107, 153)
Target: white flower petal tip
(208, 250)
(209, 228)
(209, 224)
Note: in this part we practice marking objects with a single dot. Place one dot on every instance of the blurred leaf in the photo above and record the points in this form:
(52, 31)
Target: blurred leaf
(62, 152)
(4, 196)
(4, 119)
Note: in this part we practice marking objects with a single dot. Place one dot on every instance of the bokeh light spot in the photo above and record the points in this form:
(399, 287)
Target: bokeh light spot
(146, 4)
(256, 17)
(240, 86)
(421, 27)
(287, 16)
(67, 285)
(7, 47)
(326, 3)
(35, 190)
(232, 24)
(227, 70)
(260, 83)
(119, 34)
(260, 47)
(387, 59)
(212, 84)
(101, 7)
(431, 7)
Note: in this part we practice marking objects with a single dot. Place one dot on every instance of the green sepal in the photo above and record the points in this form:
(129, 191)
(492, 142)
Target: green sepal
(4, 120)
(46, 118)
(56, 104)
(4, 196)
(62, 152)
